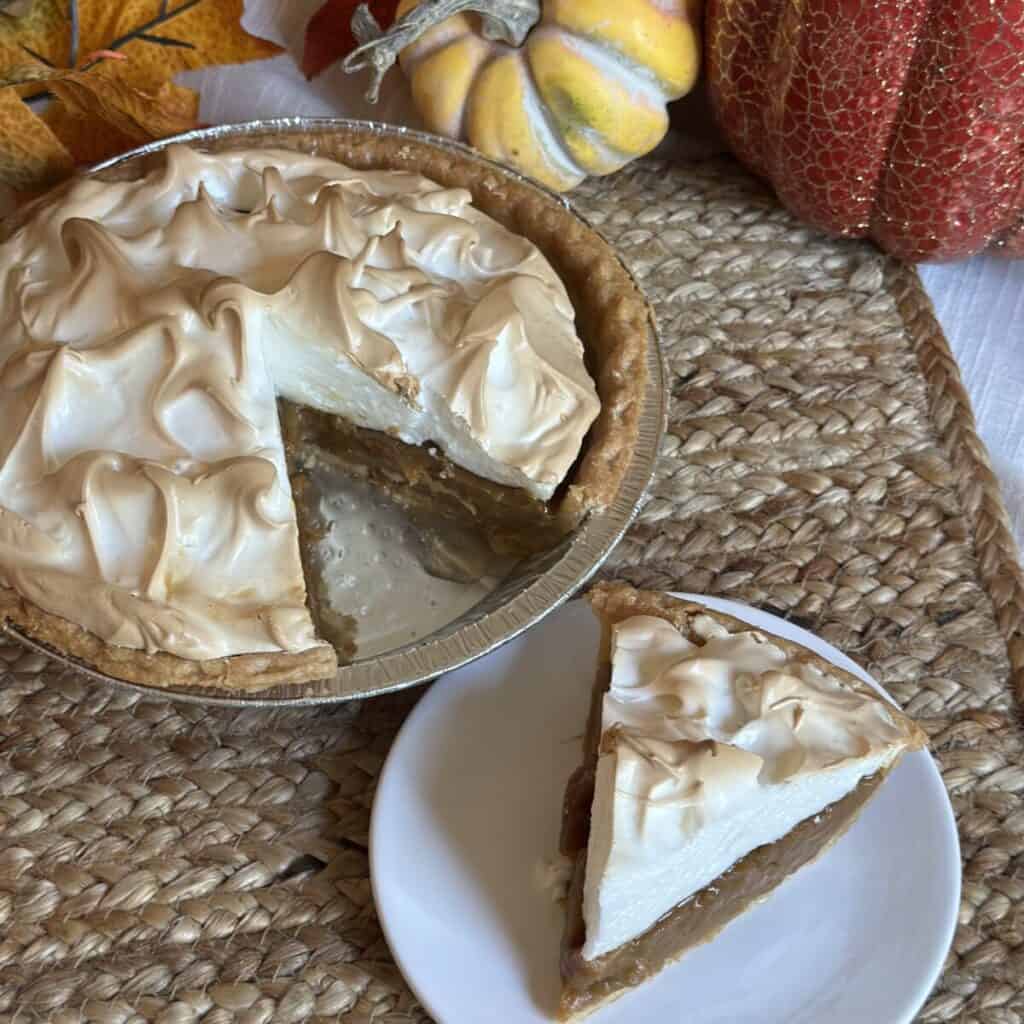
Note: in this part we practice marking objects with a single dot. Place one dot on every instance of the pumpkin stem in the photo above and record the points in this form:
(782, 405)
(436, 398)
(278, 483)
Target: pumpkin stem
(505, 21)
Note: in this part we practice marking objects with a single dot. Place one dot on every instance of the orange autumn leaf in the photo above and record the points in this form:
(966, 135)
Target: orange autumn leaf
(132, 100)
(188, 34)
(101, 94)
(31, 156)
(45, 29)
(92, 140)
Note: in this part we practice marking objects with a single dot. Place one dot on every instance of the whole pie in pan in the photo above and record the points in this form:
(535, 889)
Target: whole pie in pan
(718, 760)
(175, 341)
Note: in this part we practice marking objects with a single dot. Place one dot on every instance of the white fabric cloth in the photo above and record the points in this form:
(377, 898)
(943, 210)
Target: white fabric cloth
(979, 302)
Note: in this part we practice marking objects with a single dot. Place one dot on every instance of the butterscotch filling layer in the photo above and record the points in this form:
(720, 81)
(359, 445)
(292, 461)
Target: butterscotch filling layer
(423, 479)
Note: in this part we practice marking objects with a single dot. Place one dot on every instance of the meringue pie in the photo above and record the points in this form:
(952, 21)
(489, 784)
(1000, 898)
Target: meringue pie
(171, 344)
(718, 761)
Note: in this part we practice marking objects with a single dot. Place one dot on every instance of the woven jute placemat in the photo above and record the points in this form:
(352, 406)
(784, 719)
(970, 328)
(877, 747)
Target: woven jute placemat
(164, 862)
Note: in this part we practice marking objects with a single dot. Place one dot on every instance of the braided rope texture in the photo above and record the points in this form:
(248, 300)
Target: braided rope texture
(165, 863)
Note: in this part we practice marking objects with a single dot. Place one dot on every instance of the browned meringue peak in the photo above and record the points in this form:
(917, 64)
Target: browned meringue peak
(420, 264)
(130, 584)
(144, 490)
(738, 690)
(147, 327)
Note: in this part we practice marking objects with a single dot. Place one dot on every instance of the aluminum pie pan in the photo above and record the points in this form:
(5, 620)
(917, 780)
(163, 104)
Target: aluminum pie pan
(535, 587)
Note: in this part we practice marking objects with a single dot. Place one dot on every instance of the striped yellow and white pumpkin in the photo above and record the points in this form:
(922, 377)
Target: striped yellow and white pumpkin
(584, 93)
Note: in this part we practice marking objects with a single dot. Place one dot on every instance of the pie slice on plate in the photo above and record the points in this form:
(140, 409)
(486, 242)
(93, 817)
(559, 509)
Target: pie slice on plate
(718, 760)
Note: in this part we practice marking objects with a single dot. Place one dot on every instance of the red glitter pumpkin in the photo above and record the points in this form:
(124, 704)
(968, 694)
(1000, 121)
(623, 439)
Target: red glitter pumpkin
(899, 120)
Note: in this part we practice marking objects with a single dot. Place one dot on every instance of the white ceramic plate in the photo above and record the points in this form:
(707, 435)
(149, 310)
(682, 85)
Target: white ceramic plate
(469, 805)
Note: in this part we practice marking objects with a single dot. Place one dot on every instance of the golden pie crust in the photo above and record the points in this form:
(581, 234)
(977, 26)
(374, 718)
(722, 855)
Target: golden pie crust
(612, 319)
(588, 985)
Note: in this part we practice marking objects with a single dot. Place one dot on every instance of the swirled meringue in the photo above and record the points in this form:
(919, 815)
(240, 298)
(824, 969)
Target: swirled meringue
(147, 328)
(710, 748)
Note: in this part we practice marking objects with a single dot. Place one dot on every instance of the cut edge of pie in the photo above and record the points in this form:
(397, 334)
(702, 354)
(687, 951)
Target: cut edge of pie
(613, 322)
(587, 985)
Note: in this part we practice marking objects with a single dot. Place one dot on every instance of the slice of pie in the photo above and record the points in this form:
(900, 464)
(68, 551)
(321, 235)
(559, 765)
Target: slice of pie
(174, 344)
(718, 760)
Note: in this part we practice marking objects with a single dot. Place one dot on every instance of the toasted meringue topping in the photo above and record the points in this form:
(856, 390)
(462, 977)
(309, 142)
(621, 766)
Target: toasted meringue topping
(147, 328)
(733, 690)
(709, 750)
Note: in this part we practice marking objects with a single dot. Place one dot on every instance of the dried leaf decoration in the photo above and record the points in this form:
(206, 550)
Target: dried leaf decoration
(329, 32)
(31, 156)
(101, 94)
(60, 108)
